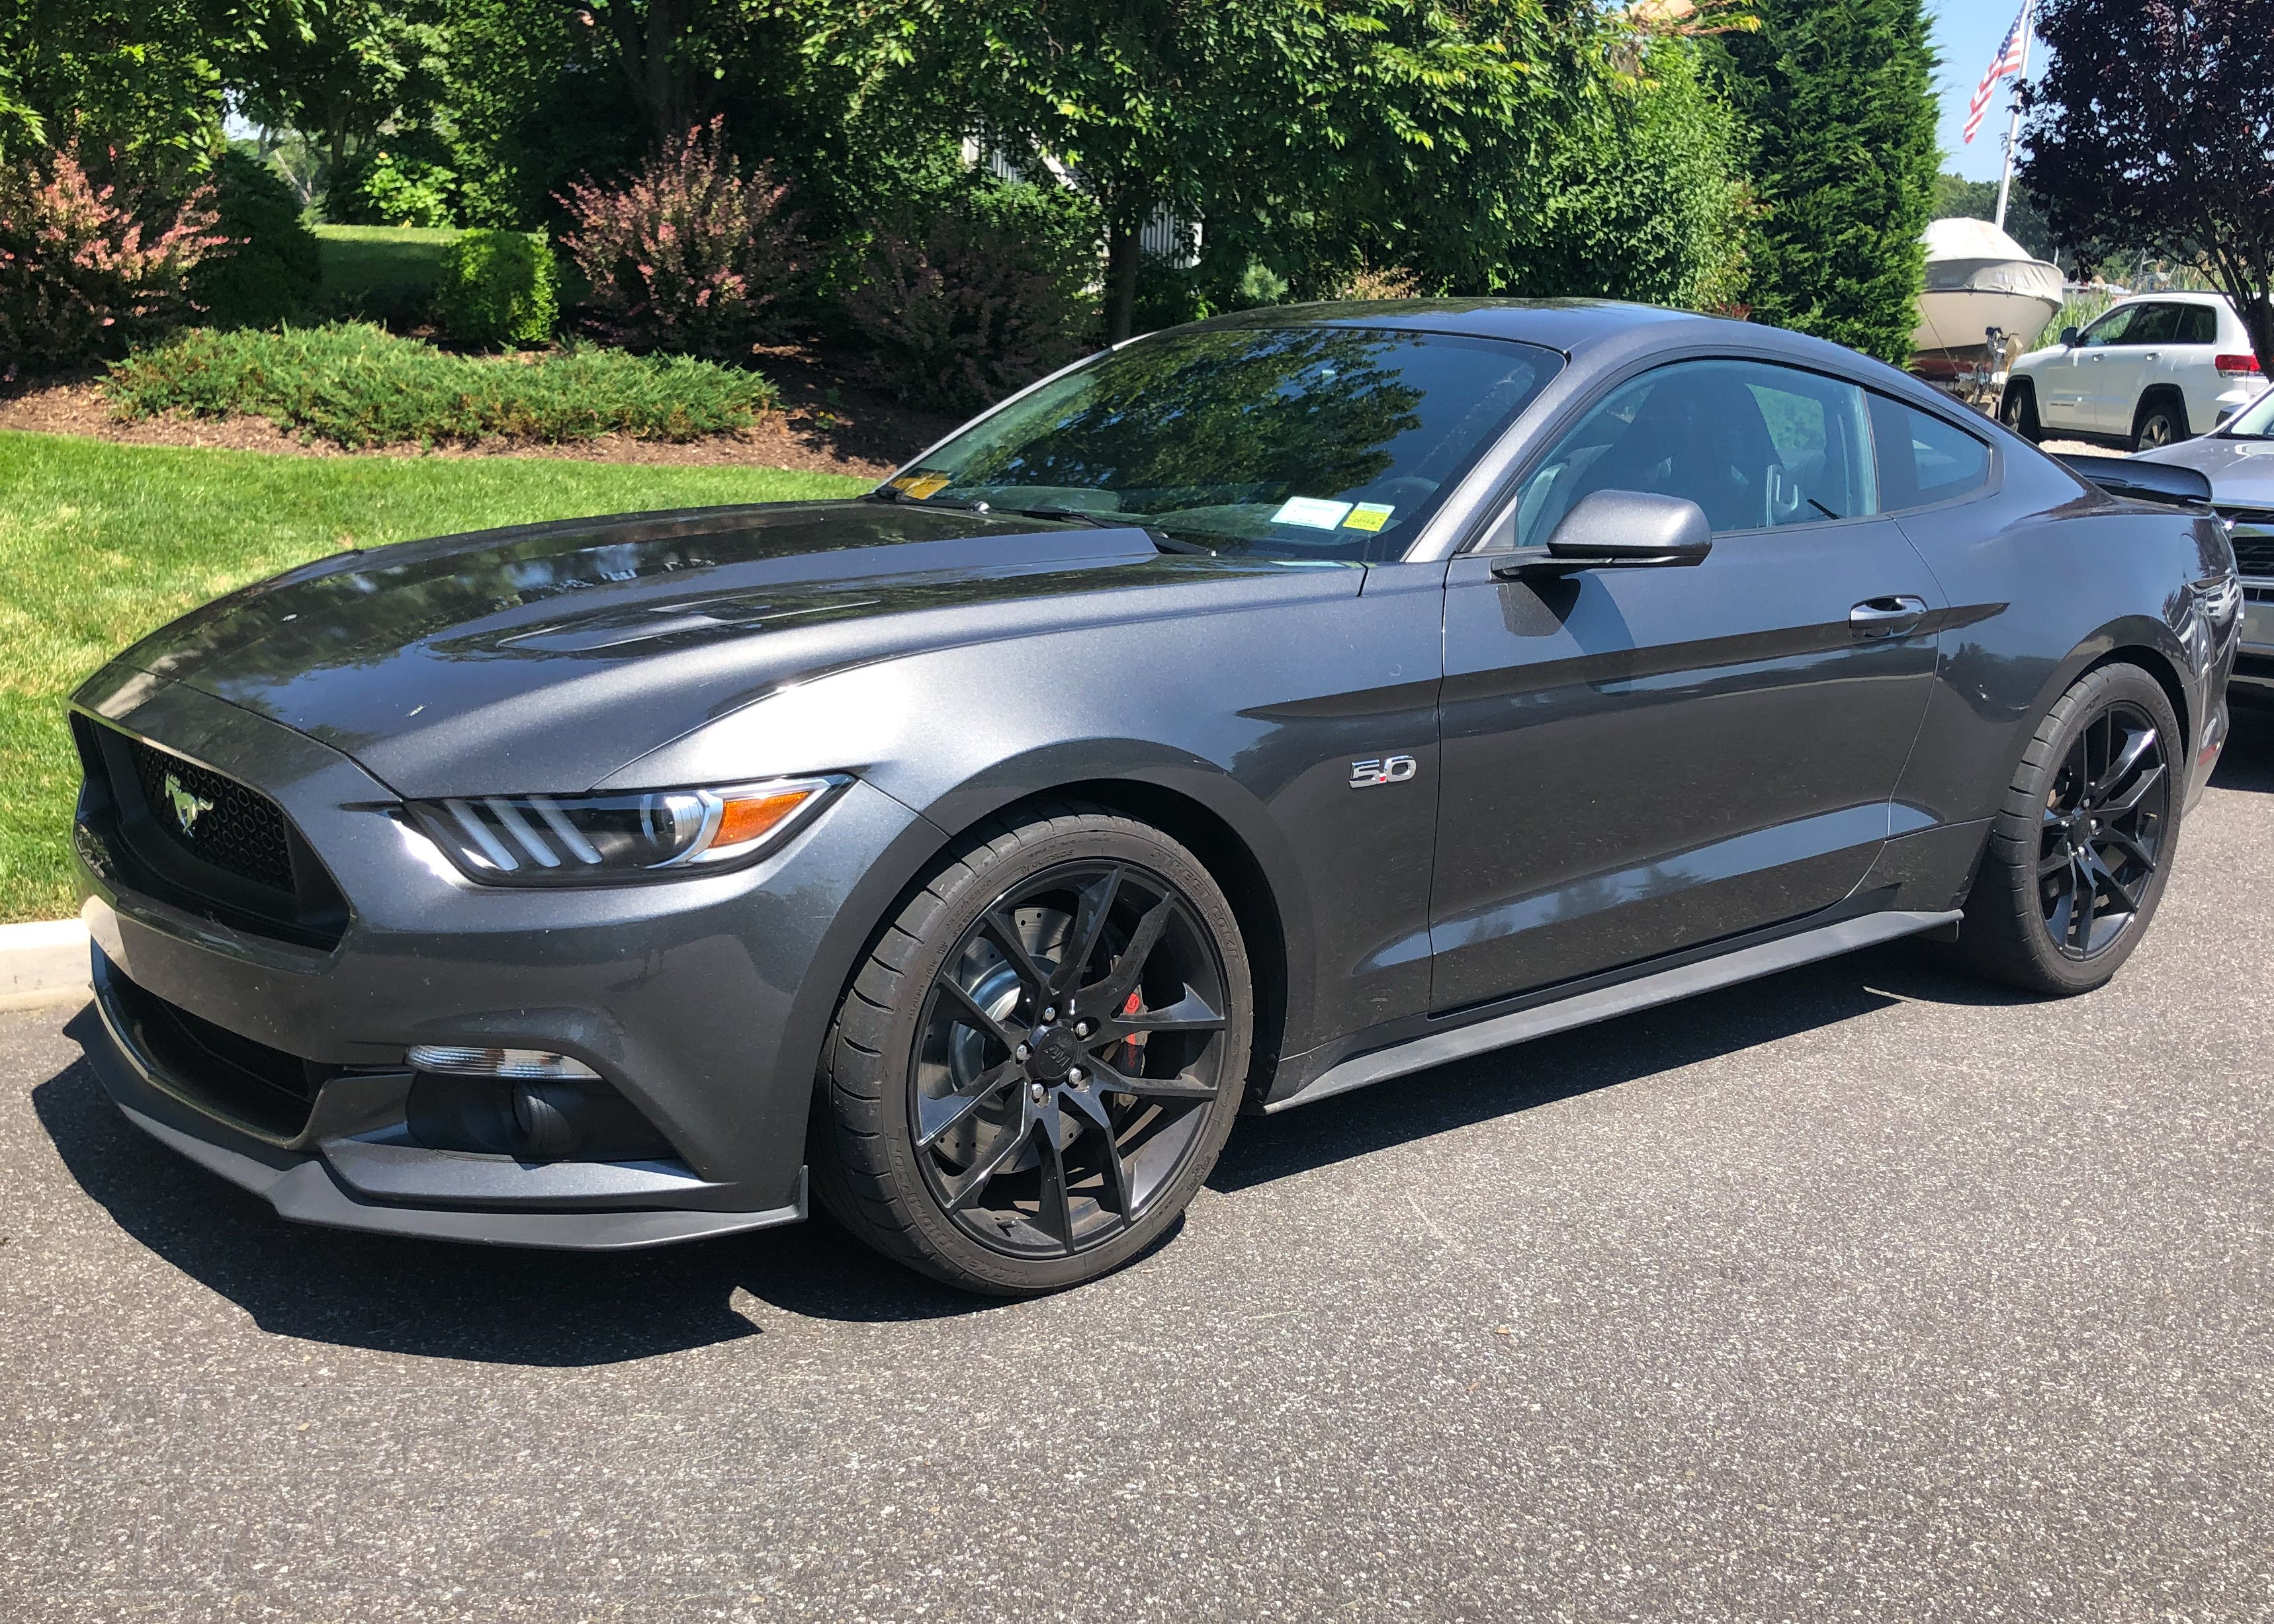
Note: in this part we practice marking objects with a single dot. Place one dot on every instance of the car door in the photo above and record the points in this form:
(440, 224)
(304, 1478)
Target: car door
(2122, 368)
(2069, 384)
(1635, 761)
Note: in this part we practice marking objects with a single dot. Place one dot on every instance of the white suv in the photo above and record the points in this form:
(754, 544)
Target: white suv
(2153, 369)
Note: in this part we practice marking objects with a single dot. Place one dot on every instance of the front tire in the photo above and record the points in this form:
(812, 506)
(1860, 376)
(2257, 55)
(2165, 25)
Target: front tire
(2161, 420)
(1035, 1070)
(2018, 411)
(2080, 852)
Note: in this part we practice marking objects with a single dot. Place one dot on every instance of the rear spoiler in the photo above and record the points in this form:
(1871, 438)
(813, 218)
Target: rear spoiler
(2142, 482)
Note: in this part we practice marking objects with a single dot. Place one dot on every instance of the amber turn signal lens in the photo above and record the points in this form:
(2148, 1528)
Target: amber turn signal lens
(751, 818)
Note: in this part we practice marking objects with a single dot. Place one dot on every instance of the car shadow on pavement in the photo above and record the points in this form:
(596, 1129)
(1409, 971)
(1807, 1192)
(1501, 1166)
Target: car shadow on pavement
(508, 1306)
(493, 1305)
(2248, 763)
(1570, 1064)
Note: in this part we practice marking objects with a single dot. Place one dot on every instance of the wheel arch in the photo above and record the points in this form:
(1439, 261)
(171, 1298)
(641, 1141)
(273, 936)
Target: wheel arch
(2164, 391)
(2137, 641)
(1200, 808)
(1205, 826)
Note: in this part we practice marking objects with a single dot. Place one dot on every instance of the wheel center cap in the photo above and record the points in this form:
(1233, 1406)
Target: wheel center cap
(1054, 1053)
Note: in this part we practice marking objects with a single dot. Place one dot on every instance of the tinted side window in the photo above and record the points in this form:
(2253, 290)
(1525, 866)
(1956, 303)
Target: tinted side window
(1754, 445)
(2198, 325)
(2156, 324)
(1922, 458)
(2112, 328)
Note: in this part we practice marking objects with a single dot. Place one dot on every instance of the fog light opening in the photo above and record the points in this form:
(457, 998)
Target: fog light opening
(533, 1064)
(543, 1118)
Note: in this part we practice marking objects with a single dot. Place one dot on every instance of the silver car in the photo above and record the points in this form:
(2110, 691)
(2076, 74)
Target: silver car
(2239, 462)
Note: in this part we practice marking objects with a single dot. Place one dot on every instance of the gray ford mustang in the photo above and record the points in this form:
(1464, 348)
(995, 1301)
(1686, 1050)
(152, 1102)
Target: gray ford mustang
(1254, 712)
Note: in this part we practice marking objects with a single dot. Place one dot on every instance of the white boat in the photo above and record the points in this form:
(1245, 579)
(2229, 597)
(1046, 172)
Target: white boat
(1978, 278)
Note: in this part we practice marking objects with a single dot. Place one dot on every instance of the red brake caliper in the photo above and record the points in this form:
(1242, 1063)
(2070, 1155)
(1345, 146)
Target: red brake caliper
(1133, 1047)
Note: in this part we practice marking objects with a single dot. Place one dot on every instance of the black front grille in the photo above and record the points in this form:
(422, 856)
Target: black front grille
(163, 826)
(2252, 531)
(215, 818)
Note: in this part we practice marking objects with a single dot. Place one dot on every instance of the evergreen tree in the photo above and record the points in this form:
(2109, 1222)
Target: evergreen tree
(1838, 97)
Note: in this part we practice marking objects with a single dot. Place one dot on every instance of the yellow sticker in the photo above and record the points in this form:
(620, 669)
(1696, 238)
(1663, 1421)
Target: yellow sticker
(921, 485)
(1369, 516)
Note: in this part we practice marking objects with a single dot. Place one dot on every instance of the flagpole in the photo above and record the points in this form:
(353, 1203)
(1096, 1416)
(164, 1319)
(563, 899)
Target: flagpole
(2013, 128)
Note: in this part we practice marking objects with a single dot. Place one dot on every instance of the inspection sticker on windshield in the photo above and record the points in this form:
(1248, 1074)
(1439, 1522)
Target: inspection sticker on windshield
(1369, 516)
(921, 485)
(1311, 512)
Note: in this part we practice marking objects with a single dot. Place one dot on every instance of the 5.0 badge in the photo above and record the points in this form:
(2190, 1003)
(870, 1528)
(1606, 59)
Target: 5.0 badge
(1386, 770)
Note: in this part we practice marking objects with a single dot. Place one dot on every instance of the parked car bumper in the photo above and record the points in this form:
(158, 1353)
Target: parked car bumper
(700, 1002)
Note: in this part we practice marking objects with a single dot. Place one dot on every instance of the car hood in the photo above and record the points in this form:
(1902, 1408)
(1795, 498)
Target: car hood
(2241, 471)
(540, 658)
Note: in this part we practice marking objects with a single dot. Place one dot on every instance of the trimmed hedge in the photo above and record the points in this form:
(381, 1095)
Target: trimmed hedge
(499, 288)
(360, 387)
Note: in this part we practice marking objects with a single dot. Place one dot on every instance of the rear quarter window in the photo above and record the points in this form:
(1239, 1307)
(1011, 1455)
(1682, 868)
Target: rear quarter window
(1924, 460)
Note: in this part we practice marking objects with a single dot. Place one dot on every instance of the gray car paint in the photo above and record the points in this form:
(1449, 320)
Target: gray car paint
(2241, 474)
(957, 664)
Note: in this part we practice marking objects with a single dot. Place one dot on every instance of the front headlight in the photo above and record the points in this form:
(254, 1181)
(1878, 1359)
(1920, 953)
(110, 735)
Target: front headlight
(608, 839)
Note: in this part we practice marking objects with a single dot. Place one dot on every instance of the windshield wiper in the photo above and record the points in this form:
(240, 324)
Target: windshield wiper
(885, 493)
(1159, 537)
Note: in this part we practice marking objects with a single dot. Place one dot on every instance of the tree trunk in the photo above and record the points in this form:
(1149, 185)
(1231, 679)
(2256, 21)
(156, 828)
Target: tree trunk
(1122, 247)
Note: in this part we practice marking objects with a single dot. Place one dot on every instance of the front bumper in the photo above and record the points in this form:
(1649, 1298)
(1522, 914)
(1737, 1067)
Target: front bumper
(700, 1002)
(341, 1181)
(2254, 665)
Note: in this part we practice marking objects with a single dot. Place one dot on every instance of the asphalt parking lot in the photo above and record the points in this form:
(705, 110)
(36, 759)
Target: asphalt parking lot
(1864, 1292)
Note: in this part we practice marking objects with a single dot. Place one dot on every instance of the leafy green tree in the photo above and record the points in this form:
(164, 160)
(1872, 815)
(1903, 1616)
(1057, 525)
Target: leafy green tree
(349, 70)
(1839, 100)
(143, 78)
(1400, 124)
(1645, 195)
(2152, 127)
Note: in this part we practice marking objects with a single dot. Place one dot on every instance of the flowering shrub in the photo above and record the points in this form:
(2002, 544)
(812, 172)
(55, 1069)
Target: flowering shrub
(990, 294)
(84, 273)
(692, 255)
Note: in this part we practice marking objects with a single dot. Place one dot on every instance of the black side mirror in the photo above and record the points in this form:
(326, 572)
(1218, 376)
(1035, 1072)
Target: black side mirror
(1619, 529)
(2068, 338)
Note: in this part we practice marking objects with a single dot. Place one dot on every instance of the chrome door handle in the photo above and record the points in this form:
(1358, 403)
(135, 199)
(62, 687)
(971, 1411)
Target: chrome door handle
(2150, 356)
(1886, 617)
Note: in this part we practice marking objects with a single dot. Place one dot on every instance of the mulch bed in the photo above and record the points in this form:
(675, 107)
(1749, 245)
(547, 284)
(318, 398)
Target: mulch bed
(827, 424)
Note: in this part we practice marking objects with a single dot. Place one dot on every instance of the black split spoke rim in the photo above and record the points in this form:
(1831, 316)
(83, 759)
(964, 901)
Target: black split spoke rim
(1068, 1052)
(2102, 835)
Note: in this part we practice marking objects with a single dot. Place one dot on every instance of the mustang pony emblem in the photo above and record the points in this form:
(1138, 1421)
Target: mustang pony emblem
(188, 809)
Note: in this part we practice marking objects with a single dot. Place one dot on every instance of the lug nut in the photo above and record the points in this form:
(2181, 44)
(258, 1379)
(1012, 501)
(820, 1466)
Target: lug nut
(1050, 1012)
(1078, 1078)
(1023, 1052)
(1081, 1028)
(1039, 1093)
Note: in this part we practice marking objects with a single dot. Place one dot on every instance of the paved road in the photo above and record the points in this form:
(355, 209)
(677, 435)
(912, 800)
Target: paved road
(1861, 1293)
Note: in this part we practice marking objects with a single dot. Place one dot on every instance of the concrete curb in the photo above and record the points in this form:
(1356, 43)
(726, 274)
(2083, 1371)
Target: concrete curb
(42, 963)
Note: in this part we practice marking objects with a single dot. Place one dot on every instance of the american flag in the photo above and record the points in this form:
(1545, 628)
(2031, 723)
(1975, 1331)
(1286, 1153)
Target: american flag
(2009, 61)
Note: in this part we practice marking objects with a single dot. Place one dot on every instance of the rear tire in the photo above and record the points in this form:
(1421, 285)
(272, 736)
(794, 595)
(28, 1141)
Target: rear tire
(1035, 1068)
(2018, 411)
(2162, 420)
(2079, 850)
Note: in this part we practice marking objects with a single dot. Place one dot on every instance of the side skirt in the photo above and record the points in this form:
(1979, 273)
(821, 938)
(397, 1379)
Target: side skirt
(1603, 1003)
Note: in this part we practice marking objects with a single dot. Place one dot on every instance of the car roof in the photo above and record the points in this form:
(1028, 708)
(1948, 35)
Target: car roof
(1606, 331)
(2176, 295)
(1568, 325)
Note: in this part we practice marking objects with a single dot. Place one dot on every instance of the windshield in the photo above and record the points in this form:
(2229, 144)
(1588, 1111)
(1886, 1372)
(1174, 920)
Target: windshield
(2254, 421)
(1302, 442)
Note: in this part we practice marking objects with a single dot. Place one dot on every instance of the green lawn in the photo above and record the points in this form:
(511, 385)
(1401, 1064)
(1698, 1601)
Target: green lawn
(383, 268)
(100, 542)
